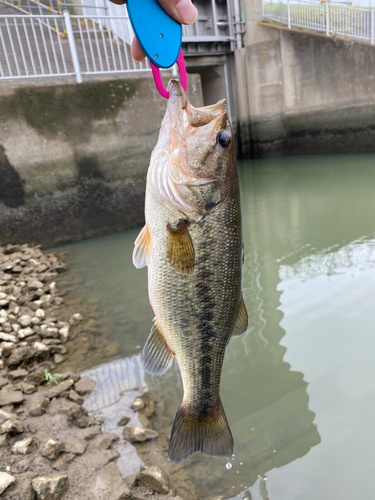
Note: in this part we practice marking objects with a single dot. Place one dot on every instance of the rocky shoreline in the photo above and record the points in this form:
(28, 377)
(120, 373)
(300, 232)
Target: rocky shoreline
(50, 448)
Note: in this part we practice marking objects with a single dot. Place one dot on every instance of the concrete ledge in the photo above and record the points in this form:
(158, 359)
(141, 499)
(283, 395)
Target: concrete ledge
(307, 94)
(74, 158)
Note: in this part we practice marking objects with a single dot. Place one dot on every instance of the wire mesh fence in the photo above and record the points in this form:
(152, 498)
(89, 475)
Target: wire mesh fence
(334, 19)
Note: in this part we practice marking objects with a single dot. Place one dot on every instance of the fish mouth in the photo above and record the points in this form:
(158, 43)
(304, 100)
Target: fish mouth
(180, 108)
(176, 92)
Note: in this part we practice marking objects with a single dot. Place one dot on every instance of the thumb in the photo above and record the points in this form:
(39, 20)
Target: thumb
(183, 11)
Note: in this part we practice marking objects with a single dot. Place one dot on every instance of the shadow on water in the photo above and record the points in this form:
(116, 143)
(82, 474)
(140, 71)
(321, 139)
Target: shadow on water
(293, 209)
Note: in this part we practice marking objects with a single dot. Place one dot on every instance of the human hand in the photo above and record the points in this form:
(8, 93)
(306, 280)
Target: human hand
(183, 11)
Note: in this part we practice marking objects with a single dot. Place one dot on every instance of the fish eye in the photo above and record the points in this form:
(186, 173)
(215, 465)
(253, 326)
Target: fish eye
(224, 139)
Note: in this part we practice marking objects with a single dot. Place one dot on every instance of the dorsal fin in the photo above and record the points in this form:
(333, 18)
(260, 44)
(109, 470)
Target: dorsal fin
(240, 325)
(141, 253)
(180, 248)
(157, 356)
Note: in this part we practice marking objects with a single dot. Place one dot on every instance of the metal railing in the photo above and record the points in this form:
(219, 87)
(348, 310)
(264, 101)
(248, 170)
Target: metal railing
(332, 18)
(62, 45)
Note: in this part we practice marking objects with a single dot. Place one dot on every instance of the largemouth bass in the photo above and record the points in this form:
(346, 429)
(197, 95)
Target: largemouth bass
(192, 245)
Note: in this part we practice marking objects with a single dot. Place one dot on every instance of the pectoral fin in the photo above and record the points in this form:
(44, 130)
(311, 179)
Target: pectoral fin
(240, 325)
(157, 356)
(142, 247)
(180, 248)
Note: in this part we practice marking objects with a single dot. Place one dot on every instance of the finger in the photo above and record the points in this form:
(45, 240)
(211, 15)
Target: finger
(183, 11)
(137, 53)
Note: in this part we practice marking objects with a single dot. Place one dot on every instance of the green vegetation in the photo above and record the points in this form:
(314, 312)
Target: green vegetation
(51, 379)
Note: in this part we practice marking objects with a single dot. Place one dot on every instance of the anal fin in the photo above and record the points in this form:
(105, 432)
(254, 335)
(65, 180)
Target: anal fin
(141, 253)
(180, 248)
(157, 356)
(241, 323)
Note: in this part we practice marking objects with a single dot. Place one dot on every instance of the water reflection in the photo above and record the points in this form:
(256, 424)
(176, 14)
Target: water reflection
(308, 224)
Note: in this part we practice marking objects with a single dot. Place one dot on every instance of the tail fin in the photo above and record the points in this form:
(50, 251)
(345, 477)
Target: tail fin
(209, 434)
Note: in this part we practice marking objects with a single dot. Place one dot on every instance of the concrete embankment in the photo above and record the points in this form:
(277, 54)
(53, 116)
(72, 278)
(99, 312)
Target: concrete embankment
(74, 158)
(305, 93)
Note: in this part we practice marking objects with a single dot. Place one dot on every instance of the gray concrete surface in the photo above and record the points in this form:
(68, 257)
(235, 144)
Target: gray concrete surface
(304, 93)
(73, 158)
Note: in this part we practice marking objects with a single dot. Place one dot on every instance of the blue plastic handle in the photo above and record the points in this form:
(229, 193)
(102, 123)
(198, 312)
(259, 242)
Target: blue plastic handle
(159, 35)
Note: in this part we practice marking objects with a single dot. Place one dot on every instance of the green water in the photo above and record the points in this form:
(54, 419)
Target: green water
(299, 386)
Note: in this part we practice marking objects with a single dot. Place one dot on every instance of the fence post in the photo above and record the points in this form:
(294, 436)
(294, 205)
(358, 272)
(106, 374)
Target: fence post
(72, 46)
(372, 26)
(289, 21)
(327, 18)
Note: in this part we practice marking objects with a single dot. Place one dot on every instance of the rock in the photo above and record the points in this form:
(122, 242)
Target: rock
(60, 464)
(36, 376)
(138, 434)
(22, 489)
(79, 420)
(77, 446)
(38, 407)
(34, 285)
(65, 407)
(51, 332)
(123, 420)
(27, 388)
(57, 358)
(74, 376)
(21, 466)
(41, 348)
(85, 385)
(75, 397)
(91, 432)
(50, 487)
(69, 457)
(143, 493)
(138, 404)
(9, 249)
(149, 410)
(143, 420)
(105, 441)
(108, 484)
(130, 480)
(8, 337)
(3, 381)
(24, 320)
(10, 397)
(59, 388)
(40, 314)
(20, 354)
(64, 334)
(5, 415)
(14, 374)
(99, 458)
(5, 481)
(22, 447)
(12, 427)
(7, 348)
(49, 446)
(25, 332)
(154, 478)
(77, 317)
(4, 441)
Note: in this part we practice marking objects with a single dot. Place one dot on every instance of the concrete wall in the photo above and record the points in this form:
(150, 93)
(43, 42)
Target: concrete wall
(303, 93)
(73, 158)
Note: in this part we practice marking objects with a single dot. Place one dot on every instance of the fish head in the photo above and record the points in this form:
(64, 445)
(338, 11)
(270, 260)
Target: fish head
(193, 161)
